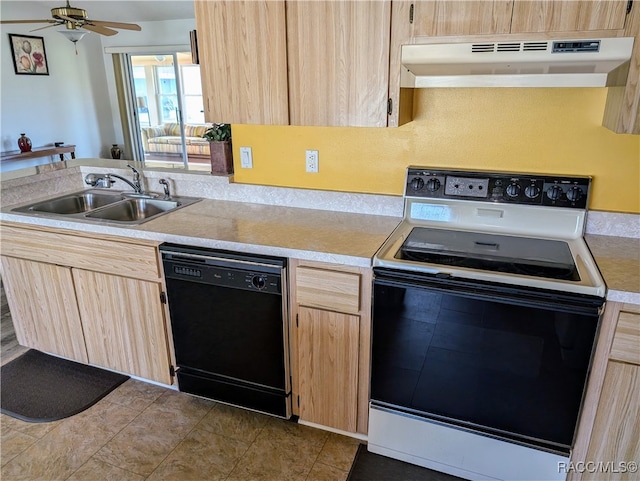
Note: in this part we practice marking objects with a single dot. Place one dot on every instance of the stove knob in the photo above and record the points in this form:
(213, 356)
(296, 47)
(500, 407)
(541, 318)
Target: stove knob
(554, 192)
(574, 194)
(433, 185)
(532, 191)
(513, 189)
(417, 183)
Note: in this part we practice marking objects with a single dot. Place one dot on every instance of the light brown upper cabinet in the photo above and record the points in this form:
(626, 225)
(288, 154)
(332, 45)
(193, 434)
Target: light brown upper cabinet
(243, 61)
(439, 18)
(338, 53)
(442, 18)
(568, 16)
(323, 63)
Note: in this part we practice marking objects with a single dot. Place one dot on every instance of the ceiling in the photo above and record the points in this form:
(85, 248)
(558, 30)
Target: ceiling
(111, 10)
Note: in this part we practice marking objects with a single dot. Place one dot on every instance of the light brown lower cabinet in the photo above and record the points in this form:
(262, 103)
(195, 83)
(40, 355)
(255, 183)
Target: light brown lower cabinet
(42, 299)
(331, 324)
(328, 367)
(609, 432)
(123, 324)
(93, 299)
(615, 439)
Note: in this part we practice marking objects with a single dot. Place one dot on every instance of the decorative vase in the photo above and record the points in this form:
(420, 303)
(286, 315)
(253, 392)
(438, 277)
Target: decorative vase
(221, 157)
(115, 151)
(24, 143)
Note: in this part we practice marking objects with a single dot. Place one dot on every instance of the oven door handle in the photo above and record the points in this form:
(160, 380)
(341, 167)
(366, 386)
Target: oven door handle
(507, 294)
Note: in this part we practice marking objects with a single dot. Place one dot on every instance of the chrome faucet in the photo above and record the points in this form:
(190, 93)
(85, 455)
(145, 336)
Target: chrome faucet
(137, 186)
(167, 192)
(97, 180)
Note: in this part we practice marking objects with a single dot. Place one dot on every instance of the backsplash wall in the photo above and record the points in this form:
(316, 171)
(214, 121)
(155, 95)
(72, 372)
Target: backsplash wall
(554, 131)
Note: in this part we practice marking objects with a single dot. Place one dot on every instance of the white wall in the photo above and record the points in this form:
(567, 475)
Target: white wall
(68, 105)
(76, 103)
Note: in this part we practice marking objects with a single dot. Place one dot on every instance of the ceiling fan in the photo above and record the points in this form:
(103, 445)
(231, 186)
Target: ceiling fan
(74, 18)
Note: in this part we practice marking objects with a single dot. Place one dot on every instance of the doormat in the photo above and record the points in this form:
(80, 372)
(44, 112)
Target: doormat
(39, 388)
(374, 467)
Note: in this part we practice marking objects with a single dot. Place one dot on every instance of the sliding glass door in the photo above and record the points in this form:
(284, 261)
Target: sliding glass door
(169, 112)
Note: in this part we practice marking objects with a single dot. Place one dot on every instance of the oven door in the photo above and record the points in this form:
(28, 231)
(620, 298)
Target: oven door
(504, 361)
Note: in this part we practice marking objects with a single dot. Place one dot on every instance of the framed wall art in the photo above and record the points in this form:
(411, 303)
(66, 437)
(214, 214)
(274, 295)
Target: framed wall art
(29, 56)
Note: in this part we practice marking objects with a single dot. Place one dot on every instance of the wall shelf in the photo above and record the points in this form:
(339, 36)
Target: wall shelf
(40, 152)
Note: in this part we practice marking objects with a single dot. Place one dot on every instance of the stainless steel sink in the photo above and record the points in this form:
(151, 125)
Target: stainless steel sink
(75, 203)
(133, 210)
(98, 205)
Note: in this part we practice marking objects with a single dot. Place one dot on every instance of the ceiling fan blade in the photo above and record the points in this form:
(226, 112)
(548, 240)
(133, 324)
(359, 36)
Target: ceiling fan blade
(125, 26)
(47, 26)
(28, 21)
(98, 29)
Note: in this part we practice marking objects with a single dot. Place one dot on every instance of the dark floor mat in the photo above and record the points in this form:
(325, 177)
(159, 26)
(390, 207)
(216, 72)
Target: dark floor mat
(37, 387)
(373, 467)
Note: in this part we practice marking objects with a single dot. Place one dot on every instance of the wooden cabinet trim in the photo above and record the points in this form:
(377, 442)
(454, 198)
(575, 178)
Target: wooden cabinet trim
(324, 289)
(97, 253)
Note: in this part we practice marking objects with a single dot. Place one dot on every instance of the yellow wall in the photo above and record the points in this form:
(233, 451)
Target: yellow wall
(521, 130)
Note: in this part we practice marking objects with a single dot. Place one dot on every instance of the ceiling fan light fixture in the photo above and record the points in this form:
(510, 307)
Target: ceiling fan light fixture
(73, 35)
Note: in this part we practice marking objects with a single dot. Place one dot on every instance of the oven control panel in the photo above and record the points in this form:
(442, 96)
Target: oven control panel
(529, 189)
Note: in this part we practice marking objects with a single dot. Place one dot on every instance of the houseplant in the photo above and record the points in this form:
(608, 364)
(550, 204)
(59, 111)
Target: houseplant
(219, 137)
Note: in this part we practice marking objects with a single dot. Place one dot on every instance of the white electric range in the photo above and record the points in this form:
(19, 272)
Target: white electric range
(486, 311)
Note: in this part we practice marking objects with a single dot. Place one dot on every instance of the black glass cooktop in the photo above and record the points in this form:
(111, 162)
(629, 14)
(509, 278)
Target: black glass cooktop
(551, 259)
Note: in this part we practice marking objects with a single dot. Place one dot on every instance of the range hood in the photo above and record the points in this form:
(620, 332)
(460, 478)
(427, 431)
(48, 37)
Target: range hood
(547, 63)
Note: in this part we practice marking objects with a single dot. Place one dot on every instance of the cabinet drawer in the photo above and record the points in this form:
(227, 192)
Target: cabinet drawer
(332, 290)
(626, 340)
(92, 253)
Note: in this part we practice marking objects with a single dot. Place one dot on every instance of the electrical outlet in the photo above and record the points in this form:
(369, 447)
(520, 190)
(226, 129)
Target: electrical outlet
(312, 161)
(246, 158)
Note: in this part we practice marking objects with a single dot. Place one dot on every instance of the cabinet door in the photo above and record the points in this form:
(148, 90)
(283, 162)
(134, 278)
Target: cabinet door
(328, 368)
(124, 324)
(243, 60)
(338, 53)
(43, 307)
(453, 17)
(568, 16)
(616, 430)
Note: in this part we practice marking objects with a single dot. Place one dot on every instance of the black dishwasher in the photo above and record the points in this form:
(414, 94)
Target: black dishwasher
(228, 319)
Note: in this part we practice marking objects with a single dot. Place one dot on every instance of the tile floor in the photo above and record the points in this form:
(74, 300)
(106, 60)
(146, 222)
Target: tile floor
(142, 431)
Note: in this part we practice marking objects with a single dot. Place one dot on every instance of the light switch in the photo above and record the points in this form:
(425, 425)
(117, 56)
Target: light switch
(246, 158)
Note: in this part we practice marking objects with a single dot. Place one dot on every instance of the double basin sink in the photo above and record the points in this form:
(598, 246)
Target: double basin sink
(107, 206)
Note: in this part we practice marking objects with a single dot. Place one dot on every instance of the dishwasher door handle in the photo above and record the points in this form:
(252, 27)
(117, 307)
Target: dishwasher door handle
(211, 260)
